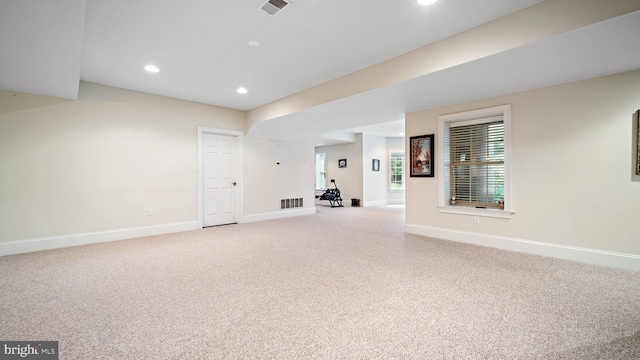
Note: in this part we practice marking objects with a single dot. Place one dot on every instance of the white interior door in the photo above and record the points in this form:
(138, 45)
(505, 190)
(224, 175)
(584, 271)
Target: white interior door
(220, 152)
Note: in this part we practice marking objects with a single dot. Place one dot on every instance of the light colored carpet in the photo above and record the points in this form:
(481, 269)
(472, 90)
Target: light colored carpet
(345, 283)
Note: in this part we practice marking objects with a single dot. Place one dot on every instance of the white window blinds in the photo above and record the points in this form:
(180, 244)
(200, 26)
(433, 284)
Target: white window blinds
(476, 154)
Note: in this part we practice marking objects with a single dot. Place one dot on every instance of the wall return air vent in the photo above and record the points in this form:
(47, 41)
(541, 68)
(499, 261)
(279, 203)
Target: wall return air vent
(272, 7)
(291, 203)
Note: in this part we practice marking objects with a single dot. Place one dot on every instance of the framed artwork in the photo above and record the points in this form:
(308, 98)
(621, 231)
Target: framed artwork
(637, 142)
(375, 166)
(342, 163)
(422, 159)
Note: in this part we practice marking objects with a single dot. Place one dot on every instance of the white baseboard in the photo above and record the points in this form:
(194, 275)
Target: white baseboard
(278, 215)
(395, 201)
(374, 203)
(383, 202)
(56, 242)
(586, 255)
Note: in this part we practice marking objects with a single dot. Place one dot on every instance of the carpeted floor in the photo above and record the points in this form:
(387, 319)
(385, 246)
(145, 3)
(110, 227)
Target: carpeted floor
(345, 283)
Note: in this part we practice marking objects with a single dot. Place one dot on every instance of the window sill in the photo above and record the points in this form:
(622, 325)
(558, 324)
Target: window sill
(464, 210)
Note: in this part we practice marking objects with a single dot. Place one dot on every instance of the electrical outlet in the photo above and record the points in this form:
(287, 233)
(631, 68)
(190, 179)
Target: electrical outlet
(149, 212)
(476, 220)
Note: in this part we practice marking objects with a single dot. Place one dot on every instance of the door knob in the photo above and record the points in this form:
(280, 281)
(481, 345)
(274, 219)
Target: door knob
(233, 183)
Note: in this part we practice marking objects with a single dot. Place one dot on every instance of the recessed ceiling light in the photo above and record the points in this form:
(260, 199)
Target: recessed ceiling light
(151, 68)
(254, 43)
(426, 2)
(242, 90)
(400, 133)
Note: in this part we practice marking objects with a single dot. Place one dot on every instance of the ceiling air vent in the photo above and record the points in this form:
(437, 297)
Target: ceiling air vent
(272, 7)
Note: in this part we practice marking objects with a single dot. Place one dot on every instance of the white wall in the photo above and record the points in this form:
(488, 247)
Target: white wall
(349, 179)
(571, 175)
(375, 183)
(82, 171)
(371, 187)
(266, 183)
(395, 145)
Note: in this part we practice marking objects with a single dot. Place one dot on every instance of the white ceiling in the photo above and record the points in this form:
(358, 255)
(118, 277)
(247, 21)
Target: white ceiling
(41, 46)
(202, 50)
(201, 46)
(604, 48)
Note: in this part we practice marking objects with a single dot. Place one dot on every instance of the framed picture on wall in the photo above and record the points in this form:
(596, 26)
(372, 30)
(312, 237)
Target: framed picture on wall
(342, 163)
(637, 141)
(375, 166)
(421, 157)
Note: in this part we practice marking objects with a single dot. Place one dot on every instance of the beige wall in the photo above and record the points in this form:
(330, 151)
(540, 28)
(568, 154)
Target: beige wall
(97, 164)
(571, 175)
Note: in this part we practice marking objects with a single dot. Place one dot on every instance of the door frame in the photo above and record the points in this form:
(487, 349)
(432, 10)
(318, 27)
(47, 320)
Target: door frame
(202, 130)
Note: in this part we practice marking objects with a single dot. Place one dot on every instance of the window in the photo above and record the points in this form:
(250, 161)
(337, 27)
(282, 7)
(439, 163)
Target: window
(321, 171)
(475, 152)
(476, 173)
(396, 171)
